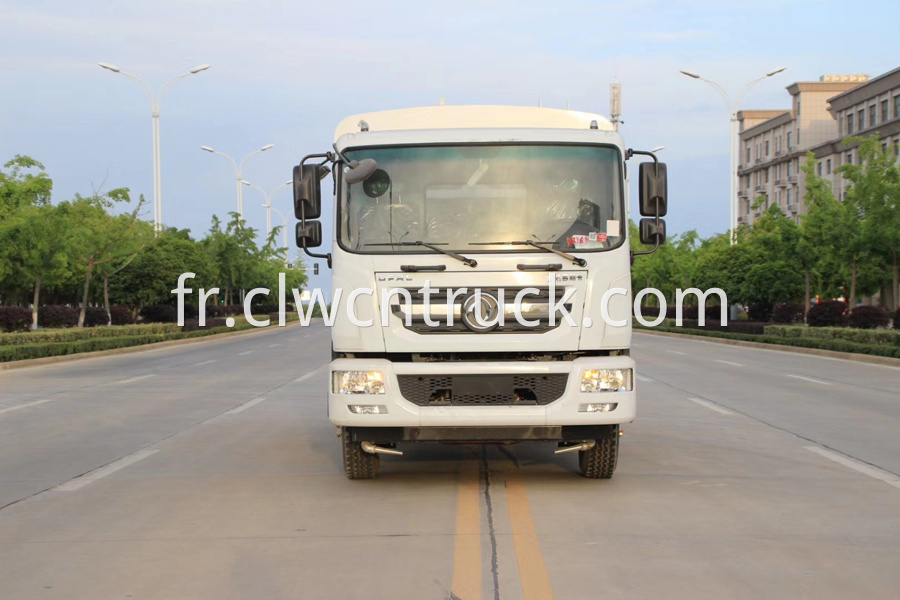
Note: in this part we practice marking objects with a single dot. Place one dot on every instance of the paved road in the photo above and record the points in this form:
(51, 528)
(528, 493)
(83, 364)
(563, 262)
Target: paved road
(210, 471)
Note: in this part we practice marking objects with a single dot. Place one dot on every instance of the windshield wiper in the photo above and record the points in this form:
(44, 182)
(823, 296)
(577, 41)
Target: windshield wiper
(540, 245)
(471, 262)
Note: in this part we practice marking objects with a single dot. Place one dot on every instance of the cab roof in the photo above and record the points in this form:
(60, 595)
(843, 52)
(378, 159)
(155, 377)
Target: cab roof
(471, 117)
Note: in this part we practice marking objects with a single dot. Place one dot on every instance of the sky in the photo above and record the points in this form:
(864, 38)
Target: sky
(286, 72)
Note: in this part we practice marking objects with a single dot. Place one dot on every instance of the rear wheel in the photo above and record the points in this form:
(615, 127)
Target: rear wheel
(357, 463)
(599, 462)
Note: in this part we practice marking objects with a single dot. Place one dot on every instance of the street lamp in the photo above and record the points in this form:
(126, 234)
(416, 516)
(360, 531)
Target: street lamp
(268, 204)
(155, 101)
(733, 108)
(237, 171)
(284, 243)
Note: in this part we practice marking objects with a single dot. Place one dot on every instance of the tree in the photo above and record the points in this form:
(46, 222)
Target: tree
(38, 238)
(21, 187)
(99, 234)
(876, 191)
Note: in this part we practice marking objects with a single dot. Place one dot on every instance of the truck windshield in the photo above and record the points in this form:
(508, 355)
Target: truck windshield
(466, 196)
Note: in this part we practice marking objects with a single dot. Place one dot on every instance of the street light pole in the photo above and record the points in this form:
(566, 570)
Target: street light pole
(733, 108)
(284, 243)
(268, 204)
(238, 169)
(155, 101)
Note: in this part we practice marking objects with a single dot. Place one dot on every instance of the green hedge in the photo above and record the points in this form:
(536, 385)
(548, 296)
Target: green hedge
(26, 351)
(836, 345)
(45, 336)
(860, 336)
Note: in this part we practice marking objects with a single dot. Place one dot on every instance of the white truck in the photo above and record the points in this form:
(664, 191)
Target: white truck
(463, 238)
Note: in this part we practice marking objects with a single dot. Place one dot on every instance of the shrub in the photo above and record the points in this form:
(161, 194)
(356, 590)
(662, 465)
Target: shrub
(868, 317)
(15, 318)
(760, 311)
(95, 316)
(829, 313)
(860, 336)
(121, 315)
(194, 324)
(74, 334)
(159, 313)
(788, 312)
(55, 316)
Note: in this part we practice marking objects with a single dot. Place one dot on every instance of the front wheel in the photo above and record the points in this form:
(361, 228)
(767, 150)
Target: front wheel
(599, 461)
(358, 464)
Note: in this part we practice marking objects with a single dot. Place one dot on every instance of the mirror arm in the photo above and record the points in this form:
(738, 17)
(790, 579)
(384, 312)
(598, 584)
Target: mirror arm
(631, 152)
(652, 250)
(327, 256)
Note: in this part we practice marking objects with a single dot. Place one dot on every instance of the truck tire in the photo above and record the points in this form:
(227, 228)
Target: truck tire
(357, 464)
(600, 461)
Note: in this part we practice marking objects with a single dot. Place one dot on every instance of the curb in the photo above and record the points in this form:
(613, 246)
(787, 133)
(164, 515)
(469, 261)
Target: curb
(50, 360)
(863, 358)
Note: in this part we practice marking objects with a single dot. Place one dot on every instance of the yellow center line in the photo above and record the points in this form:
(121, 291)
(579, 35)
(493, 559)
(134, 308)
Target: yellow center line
(532, 571)
(466, 583)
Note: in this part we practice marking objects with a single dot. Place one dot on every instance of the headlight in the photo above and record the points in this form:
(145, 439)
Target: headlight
(606, 380)
(357, 382)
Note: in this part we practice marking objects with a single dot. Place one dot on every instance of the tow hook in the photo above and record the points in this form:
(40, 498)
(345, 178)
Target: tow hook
(578, 447)
(373, 449)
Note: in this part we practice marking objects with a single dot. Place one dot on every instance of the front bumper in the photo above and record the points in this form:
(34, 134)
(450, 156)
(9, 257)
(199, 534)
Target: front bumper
(403, 413)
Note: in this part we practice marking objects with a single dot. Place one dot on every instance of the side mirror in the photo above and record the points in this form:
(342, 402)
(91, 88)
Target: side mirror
(653, 189)
(309, 234)
(651, 232)
(307, 191)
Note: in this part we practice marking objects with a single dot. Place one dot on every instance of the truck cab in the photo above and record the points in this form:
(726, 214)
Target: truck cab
(481, 279)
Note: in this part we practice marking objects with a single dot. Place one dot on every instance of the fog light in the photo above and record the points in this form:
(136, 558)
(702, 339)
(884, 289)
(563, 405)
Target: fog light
(606, 380)
(595, 408)
(368, 409)
(357, 382)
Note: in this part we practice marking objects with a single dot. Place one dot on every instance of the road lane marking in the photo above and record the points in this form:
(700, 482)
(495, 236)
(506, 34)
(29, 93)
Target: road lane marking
(810, 379)
(244, 406)
(874, 472)
(466, 583)
(532, 571)
(677, 352)
(89, 478)
(133, 379)
(644, 378)
(244, 353)
(711, 406)
(308, 375)
(27, 405)
(728, 362)
(205, 362)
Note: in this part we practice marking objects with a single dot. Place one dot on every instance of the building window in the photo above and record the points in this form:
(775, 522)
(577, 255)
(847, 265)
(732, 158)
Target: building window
(748, 154)
(767, 174)
(848, 160)
(789, 197)
(778, 144)
(790, 169)
(819, 169)
(872, 116)
(885, 114)
(897, 106)
(767, 148)
(861, 119)
(798, 137)
(828, 167)
(790, 141)
(850, 123)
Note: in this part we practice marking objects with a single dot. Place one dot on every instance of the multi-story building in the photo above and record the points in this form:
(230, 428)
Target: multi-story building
(772, 144)
(873, 107)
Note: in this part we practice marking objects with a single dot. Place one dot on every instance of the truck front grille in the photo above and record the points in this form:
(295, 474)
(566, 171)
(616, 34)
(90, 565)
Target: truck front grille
(482, 390)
